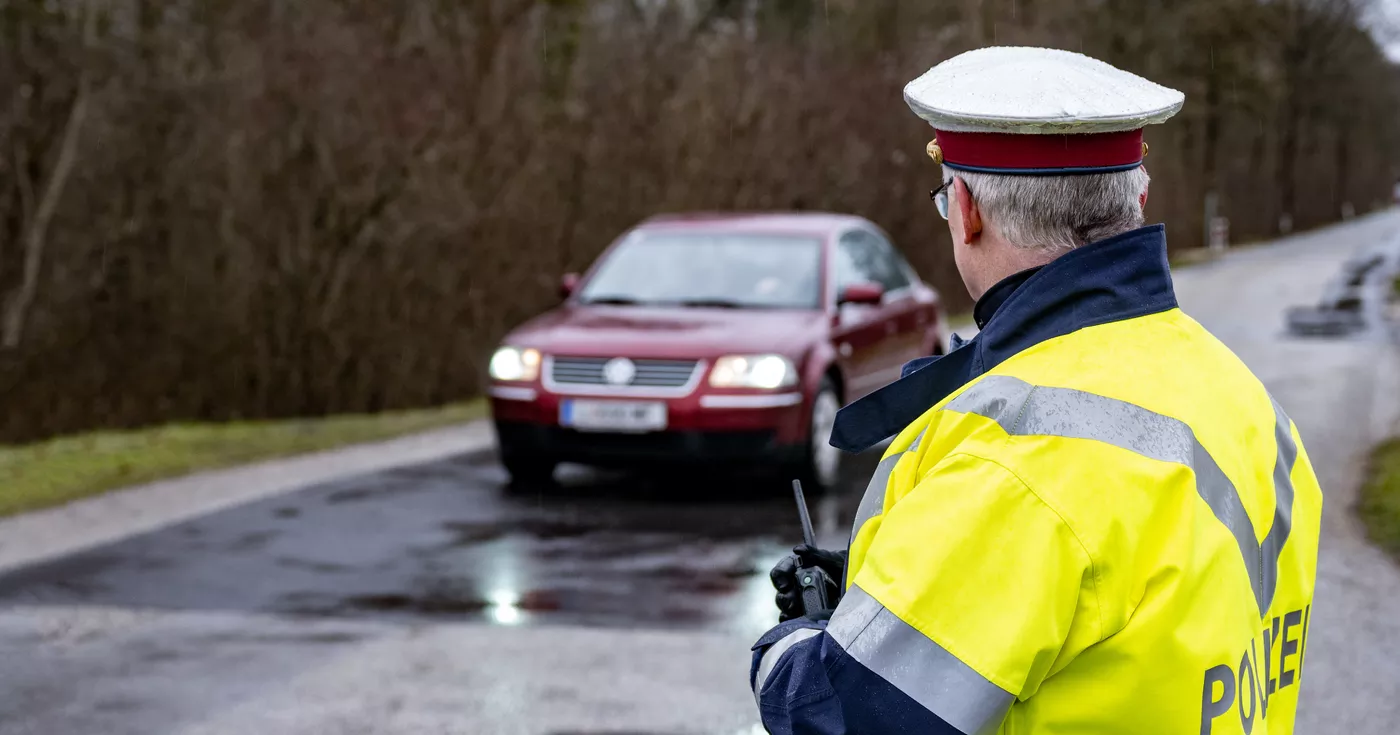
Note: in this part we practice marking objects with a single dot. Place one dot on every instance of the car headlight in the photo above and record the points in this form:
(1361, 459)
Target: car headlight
(515, 364)
(753, 371)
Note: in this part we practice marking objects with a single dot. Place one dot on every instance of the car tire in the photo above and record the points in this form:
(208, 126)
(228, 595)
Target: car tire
(528, 471)
(820, 465)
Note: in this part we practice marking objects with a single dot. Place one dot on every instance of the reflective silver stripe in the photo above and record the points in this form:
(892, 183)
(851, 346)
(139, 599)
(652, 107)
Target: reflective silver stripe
(775, 652)
(1283, 508)
(873, 502)
(1023, 409)
(914, 446)
(916, 665)
(1028, 410)
(1224, 501)
(874, 499)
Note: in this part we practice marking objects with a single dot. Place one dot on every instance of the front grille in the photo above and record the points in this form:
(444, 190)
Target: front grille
(648, 373)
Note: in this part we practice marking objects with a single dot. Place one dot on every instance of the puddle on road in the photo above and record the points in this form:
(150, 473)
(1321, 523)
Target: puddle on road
(320, 637)
(754, 730)
(471, 534)
(547, 530)
(252, 541)
(447, 542)
(609, 732)
(426, 605)
(394, 483)
(320, 567)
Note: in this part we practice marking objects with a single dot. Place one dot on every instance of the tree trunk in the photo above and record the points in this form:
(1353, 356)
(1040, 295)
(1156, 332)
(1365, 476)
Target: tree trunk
(17, 306)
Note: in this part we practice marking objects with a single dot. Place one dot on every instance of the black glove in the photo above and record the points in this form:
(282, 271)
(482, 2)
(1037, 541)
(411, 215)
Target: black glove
(784, 576)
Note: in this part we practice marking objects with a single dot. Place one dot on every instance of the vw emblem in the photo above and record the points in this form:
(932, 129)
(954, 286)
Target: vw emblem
(619, 371)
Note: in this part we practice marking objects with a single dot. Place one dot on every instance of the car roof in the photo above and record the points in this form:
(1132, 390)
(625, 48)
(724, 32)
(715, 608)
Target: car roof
(806, 223)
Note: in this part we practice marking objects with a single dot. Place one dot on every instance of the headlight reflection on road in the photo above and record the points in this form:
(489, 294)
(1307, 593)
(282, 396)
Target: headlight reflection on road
(504, 608)
(752, 611)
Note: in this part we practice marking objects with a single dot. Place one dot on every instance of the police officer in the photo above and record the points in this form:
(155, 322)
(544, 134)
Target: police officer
(1092, 517)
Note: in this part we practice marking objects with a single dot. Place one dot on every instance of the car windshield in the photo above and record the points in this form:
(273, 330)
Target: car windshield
(710, 270)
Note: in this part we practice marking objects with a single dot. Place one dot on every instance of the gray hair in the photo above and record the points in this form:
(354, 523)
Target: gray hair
(1058, 213)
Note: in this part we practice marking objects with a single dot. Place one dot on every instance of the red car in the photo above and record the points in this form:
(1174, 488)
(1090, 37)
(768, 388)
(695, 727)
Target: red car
(719, 339)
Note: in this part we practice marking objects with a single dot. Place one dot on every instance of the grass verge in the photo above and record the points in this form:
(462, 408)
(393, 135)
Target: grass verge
(1379, 506)
(48, 473)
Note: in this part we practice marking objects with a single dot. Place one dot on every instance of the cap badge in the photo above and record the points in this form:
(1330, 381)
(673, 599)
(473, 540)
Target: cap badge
(934, 152)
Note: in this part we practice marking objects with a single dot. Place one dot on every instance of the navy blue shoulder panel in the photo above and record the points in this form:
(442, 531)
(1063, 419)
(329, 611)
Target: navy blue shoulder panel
(884, 413)
(1111, 280)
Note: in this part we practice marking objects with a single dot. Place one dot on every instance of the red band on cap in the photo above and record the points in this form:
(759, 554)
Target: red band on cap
(1005, 151)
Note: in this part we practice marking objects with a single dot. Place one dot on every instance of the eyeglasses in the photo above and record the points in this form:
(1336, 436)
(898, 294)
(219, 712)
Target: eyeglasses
(940, 198)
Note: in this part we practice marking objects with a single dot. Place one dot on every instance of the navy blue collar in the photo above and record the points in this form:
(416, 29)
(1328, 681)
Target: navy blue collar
(1111, 280)
(991, 301)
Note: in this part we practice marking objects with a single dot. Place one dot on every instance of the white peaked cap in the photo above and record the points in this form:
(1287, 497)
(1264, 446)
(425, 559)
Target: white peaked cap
(1023, 90)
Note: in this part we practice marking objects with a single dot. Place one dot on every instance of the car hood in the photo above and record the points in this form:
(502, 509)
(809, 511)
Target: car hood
(669, 332)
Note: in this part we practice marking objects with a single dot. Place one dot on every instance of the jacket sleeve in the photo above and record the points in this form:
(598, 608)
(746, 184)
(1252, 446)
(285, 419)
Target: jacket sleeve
(971, 593)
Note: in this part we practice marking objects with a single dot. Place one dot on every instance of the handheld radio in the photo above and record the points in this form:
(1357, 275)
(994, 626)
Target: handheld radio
(813, 581)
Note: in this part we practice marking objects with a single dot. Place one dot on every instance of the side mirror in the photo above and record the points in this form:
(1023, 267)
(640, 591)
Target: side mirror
(567, 284)
(868, 294)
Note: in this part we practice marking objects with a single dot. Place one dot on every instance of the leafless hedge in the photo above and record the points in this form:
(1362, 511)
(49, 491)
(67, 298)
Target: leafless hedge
(243, 208)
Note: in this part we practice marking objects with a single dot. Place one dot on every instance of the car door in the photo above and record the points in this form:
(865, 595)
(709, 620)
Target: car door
(904, 313)
(861, 332)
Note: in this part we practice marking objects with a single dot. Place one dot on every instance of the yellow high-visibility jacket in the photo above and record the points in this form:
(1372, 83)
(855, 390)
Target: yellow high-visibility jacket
(1111, 529)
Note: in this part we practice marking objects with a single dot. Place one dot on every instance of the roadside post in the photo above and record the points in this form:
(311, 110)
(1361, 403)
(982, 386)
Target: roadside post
(1220, 233)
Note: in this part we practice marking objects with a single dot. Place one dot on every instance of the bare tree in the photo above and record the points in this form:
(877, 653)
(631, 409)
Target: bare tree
(240, 208)
(38, 215)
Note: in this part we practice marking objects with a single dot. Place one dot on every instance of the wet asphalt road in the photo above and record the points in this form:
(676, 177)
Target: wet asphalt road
(450, 542)
(429, 600)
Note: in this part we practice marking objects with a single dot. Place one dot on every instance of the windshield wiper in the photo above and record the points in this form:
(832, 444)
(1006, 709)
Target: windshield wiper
(712, 303)
(613, 301)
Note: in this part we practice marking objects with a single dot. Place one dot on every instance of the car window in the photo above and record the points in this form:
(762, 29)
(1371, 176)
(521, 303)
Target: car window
(890, 269)
(863, 257)
(855, 261)
(732, 270)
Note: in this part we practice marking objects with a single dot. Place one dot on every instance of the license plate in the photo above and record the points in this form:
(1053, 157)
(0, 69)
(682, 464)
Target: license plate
(622, 416)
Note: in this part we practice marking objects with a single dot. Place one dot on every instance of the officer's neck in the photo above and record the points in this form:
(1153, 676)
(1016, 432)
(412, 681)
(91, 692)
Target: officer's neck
(998, 260)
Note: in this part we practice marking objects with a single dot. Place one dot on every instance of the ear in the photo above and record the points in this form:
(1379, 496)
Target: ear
(1142, 198)
(971, 215)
